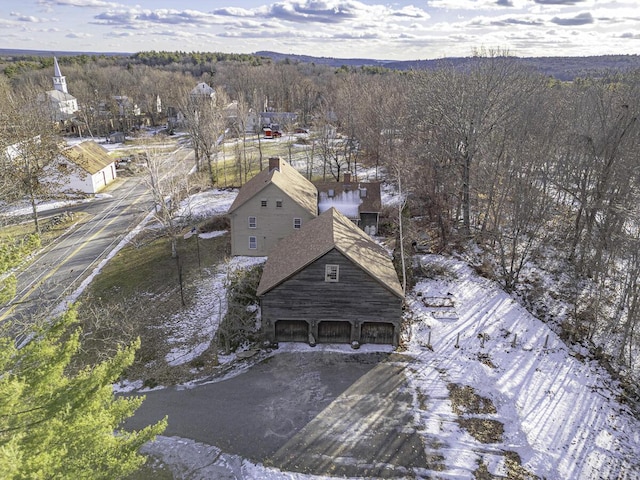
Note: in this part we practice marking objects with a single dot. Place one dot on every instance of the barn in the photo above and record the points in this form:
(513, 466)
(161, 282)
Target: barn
(330, 282)
(86, 168)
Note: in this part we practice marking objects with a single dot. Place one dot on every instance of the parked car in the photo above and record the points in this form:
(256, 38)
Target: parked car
(270, 133)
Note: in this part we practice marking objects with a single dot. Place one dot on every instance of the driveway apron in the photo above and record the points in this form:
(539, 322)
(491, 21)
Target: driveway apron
(323, 413)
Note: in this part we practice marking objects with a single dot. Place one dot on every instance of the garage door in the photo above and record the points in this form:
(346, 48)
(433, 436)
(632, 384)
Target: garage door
(334, 332)
(373, 332)
(292, 331)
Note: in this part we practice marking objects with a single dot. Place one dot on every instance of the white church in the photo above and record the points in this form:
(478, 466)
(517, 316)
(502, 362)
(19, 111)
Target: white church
(62, 104)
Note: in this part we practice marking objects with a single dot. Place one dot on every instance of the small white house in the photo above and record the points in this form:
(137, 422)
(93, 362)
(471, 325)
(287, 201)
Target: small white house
(85, 168)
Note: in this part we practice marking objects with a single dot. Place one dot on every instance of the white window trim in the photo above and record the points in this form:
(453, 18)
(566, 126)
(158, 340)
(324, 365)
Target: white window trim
(255, 222)
(253, 240)
(299, 226)
(331, 273)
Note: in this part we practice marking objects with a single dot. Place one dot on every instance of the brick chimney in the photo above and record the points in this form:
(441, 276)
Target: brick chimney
(274, 163)
(347, 178)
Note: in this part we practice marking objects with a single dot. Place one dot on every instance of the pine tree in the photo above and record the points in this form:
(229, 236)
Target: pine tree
(59, 424)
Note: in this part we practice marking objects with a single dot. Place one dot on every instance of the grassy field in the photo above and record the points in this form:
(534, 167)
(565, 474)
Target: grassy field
(137, 292)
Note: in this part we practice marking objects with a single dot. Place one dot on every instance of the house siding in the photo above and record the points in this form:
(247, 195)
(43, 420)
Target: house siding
(78, 180)
(356, 298)
(272, 223)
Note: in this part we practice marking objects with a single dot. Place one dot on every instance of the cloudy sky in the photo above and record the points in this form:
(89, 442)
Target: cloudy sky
(402, 29)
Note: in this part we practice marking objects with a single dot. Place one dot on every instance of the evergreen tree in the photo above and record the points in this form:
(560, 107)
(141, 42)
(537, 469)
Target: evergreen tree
(60, 424)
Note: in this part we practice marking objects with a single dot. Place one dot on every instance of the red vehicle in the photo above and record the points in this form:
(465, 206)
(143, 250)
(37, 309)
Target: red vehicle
(269, 133)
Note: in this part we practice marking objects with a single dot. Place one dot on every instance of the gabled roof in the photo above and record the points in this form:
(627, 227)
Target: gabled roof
(288, 180)
(350, 198)
(59, 96)
(203, 89)
(89, 156)
(318, 237)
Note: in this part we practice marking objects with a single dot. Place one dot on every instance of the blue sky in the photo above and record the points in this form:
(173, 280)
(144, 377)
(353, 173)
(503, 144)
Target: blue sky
(400, 30)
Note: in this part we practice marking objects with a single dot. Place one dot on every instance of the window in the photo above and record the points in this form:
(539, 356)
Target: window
(253, 243)
(263, 202)
(253, 222)
(331, 273)
(278, 203)
(297, 223)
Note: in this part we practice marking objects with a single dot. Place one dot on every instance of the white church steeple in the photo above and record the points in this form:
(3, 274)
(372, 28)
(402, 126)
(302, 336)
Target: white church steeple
(59, 82)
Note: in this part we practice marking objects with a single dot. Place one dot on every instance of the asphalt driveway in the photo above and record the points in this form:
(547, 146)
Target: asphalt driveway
(324, 413)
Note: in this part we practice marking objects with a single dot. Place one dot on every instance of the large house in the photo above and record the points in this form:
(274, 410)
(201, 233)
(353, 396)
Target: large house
(330, 282)
(84, 168)
(359, 201)
(276, 202)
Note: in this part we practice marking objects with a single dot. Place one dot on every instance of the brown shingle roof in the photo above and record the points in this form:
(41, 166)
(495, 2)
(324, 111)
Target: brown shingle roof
(287, 179)
(89, 156)
(319, 236)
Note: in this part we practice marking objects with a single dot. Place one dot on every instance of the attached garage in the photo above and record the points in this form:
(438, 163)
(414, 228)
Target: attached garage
(377, 332)
(335, 277)
(292, 331)
(334, 332)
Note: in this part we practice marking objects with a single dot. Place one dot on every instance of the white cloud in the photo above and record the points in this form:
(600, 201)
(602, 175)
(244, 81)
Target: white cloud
(79, 3)
(78, 35)
(28, 18)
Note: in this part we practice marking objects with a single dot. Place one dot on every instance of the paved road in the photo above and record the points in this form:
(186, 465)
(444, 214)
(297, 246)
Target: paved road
(61, 266)
(322, 413)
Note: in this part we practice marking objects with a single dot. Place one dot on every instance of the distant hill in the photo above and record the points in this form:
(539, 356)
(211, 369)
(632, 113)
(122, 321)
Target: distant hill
(9, 52)
(561, 68)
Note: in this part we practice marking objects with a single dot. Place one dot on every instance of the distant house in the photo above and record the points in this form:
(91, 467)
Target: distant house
(202, 91)
(86, 168)
(270, 206)
(269, 119)
(116, 137)
(175, 118)
(330, 283)
(200, 94)
(359, 201)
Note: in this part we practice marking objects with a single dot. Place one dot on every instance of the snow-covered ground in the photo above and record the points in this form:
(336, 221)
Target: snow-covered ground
(560, 413)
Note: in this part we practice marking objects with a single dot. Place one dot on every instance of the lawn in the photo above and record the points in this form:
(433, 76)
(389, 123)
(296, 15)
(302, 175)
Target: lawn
(138, 293)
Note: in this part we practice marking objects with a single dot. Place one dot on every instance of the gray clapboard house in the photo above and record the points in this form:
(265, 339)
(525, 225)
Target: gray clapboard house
(330, 282)
(276, 202)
